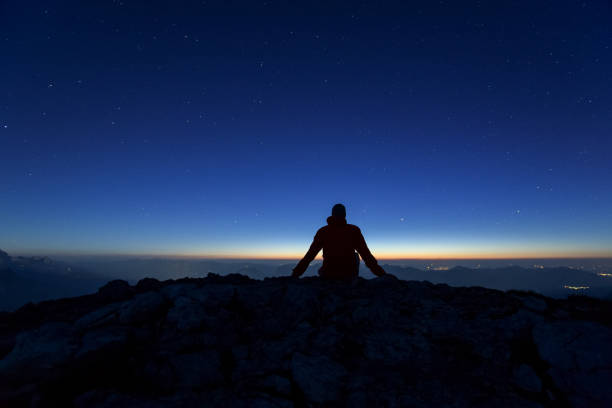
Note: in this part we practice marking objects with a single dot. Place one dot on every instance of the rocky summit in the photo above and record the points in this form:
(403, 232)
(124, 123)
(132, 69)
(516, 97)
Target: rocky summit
(236, 342)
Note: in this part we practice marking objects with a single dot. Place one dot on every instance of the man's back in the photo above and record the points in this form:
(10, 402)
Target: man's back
(339, 242)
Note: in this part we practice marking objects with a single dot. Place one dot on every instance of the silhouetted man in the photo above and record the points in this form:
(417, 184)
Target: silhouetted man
(339, 241)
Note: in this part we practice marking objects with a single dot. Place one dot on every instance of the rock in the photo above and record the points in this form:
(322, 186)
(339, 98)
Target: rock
(148, 284)
(160, 375)
(172, 292)
(526, 378)
(327, 338)
(388, 345)
(537, 304)
(298, 303)
(104, 399)
(143, 308)
(5, 259)
(267, 402)
(114, 291)
(580, 359)
(105, 315)
(233, 341)
(278, 384)
(38, 351)
(377, 313)
(197, 370)
(220, 293)
(102, 339)
(319, 378)
(186, 314)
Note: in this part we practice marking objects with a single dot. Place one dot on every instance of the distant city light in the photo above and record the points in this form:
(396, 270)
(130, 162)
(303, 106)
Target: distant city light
(575, 287)
(437, 268)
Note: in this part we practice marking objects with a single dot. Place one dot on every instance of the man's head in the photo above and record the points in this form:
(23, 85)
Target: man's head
(338, 210)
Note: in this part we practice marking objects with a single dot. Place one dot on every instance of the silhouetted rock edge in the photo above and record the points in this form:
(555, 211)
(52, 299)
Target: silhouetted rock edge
(281, 342)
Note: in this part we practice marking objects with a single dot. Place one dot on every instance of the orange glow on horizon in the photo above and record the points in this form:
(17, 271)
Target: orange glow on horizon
(381, 255)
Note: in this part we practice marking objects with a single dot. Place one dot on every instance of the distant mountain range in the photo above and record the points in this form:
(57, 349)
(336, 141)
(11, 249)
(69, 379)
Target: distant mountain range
(32, 279)
(555, 282)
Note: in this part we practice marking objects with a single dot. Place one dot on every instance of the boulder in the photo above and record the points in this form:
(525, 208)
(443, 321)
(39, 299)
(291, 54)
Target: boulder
(114, 291)
(580, 359)
(38, 351)
(318, 377)
(233, 341)
(186, 314)
(142, 308)
(197, 370)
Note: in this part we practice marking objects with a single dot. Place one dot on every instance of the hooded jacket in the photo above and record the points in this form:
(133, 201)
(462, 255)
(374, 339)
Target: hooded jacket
(339, 242)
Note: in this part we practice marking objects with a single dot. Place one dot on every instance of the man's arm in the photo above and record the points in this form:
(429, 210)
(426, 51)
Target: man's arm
(314, 249)
(366, 255)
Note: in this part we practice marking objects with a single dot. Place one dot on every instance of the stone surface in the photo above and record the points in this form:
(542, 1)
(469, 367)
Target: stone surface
(580, 359)
(38, 351)
(282, 342)
(143, 308)
(319, 378)
(527, 378)
(115, 290)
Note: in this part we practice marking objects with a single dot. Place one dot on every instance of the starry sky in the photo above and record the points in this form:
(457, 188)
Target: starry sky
(202, 128)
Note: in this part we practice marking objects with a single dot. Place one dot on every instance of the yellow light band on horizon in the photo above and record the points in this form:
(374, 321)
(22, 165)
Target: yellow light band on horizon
(381, 255)
(293, 252)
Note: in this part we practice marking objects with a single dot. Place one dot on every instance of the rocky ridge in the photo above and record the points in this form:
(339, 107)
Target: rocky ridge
(233, 341)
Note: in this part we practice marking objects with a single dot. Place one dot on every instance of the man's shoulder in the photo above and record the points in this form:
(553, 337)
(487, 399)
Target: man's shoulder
(353, 228)
(323, 229)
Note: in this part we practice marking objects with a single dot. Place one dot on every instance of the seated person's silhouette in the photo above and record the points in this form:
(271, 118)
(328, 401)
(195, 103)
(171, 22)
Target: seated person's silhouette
(339, 242)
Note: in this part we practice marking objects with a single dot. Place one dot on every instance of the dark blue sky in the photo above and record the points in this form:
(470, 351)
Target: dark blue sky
(447, 128)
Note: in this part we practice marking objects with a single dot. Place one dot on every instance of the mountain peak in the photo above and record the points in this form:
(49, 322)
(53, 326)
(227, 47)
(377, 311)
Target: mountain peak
(288, 342)
(4, 258)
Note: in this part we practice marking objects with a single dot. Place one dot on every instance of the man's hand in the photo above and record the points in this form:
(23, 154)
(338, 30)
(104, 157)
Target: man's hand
(378, 271)
(297, 272)
(389, 277)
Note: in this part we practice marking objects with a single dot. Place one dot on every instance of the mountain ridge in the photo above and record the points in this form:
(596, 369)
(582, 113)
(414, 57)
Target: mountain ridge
(231, 340)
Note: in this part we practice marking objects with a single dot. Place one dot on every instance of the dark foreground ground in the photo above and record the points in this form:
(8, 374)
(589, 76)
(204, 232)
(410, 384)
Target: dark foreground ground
(235, 342)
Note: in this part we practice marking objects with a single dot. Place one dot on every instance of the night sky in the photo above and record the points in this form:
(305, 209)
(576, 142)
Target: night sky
(447, 128)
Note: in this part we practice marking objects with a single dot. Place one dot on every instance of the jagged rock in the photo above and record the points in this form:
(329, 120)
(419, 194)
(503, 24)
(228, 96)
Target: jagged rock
(115, 290)
(186, 314)
(527, 379)
(100, 340)
(5, 259)
(535, 303)
(318, 377)
(580, 359)
(171, 292)
(104, 315)
(143, 308)
(38, 351)
(277, 384)
(148, 284)
(197, 370)
(287, 342)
